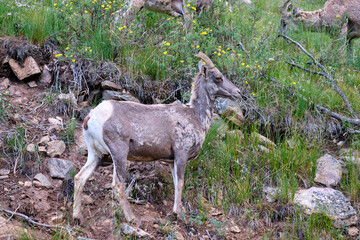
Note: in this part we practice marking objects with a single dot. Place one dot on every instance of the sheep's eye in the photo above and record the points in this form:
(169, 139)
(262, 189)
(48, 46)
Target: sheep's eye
(218, 79)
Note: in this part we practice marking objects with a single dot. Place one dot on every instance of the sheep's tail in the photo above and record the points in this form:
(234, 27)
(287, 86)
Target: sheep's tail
(85, 124)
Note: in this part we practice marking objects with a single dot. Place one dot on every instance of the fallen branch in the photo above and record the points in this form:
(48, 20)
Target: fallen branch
(305, 69)
(318, 106)
(327, 76)
(28, 219)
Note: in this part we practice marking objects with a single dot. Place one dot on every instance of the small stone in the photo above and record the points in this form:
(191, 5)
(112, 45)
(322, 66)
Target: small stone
(353, 232)
(43, 181)
(108, 85)
(235, 229)
(27, 184)
(31, 148)
(271, 193)
(128, 230)
(329, 171)
(4, 177)
(44, 140)
(32, 84)
(30, 68)
(87, 199)
(56, 219)
(21, 183)
(42, 149)
(59, 168)
(178, 236)
(341, 143)
(55, 148)
(4, 171)
(45, 76)
(263, 140)
(108, 95)
(68, 97)
(55, 123)
(4, 83)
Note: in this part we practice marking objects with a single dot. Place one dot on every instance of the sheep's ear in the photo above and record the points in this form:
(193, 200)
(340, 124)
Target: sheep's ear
(202, 68)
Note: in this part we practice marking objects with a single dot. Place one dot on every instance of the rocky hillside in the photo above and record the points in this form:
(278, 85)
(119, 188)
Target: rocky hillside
(282, 162)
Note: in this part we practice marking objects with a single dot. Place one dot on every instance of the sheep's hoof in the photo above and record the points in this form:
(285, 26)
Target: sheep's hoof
(78, 219)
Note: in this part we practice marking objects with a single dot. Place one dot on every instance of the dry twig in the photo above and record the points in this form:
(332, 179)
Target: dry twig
(332, 82)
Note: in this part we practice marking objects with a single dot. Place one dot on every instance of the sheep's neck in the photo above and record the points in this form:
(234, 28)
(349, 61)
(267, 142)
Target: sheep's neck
(203, 106)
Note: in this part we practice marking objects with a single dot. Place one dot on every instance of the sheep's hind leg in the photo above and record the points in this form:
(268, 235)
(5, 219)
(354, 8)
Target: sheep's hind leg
(178, 171)
(119, 152)
(91, 164)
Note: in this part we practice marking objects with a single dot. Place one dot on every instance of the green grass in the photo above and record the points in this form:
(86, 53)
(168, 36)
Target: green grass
(156, 47)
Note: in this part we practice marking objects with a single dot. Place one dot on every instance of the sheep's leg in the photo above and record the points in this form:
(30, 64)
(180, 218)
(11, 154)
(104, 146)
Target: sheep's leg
(119, 152)
(178, 171)
(92, 162)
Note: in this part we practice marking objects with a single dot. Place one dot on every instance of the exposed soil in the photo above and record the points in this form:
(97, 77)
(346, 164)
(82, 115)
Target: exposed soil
(152, 191)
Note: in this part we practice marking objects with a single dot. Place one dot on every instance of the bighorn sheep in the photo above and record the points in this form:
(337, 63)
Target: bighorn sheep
(173, 8)
(337, 15)
(138, 132)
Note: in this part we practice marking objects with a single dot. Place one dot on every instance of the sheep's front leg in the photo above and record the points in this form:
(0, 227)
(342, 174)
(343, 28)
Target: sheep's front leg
(178, 171)
(119, 152)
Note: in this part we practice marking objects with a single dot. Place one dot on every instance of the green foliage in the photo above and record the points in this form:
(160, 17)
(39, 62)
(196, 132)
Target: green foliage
(5, 108)
(15, 142)
(68, 134)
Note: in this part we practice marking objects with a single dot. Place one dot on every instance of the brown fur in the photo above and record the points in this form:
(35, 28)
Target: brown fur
(86, 119)
(342, 16)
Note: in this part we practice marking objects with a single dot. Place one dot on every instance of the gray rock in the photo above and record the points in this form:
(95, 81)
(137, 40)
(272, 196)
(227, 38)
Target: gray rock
(68, 98)
(108, 85)
(271, 193)
(113, 95)
(31, 148)
(4, 83)
(43, 180)
(263, 140)
(59, 168)
(128, 230)
(230, 110)
(45, 76)
(328, 200)
(32, 84)
(55, 148)
(328, 171)
(4, 171)
(29, 68)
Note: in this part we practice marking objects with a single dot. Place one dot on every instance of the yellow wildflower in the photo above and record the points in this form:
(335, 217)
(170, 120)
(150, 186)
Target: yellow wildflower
(243, 64)
(165, 52)
(181, 61)
(194, 21)
(85, 11)
(58, 55)
(197, 46)
(294, 83)
(55, 4)
(73, 60)
(168, 44)
(219, 54)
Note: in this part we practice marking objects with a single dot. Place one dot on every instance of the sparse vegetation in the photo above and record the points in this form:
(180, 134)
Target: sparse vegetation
(230, 172)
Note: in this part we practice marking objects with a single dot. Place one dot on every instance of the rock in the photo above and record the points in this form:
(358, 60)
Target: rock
(55, 123)
(32, 84)
(44, 140)
(271, 193)
(59, 168)
(68, 97)
(328, 171)
(4, 83)
(128, 230)
(55, 148)
(42, 149)
(230, 110)
(108, 95)
(263, 140)
(30, 68)
(4, 171)
(43, 181)
(328, 200)
(178, 235)
(80, 143)
(45, 76)
(353, 232)
(87, 199)
(31, 148)
(235, 134)
(235, 229)
(108, 85)
(263, 149)
(4, 177)
(27, 184)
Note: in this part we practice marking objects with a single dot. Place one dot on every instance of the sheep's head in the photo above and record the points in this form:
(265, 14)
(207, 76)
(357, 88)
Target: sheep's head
(290, 15)
(216, 84)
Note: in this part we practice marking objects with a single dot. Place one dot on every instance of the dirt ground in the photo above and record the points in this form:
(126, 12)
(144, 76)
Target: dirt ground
(152, 194)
